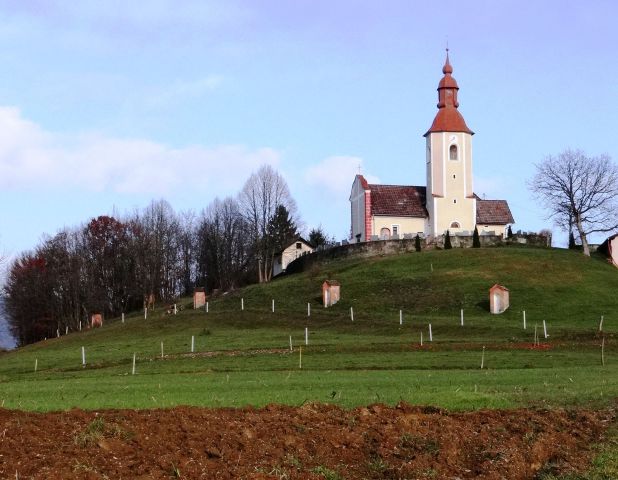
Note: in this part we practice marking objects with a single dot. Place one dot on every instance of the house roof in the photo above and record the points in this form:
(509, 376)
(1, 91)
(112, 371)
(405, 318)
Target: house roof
(493, 212)
(398, 200)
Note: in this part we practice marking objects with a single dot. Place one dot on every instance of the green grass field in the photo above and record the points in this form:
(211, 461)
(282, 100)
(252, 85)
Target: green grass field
(243, 357)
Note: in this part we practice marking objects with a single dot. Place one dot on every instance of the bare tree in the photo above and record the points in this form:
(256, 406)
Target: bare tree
(579, 191)
(262, 193)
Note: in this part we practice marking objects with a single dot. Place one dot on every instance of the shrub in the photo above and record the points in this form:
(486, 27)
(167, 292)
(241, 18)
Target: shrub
(447, 241)
(476, 241)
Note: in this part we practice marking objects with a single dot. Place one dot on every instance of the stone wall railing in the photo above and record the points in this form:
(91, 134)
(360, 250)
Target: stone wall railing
(390, 247)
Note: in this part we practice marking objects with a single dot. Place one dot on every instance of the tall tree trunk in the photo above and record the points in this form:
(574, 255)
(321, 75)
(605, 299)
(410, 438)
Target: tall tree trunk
(582, 235)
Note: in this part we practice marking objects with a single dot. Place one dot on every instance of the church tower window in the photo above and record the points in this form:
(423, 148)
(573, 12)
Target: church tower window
(453, 152)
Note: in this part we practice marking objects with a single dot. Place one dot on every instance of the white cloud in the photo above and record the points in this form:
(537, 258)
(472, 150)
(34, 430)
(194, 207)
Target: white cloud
(31, 157)
(335, 174)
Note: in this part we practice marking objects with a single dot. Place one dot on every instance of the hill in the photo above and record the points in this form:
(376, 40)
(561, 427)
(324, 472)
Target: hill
(243, 356)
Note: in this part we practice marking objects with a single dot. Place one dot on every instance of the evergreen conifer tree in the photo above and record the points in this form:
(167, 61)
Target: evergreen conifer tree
(572, 244)
(476, 241)
(447, 241)
(417, 243)
(509, 232)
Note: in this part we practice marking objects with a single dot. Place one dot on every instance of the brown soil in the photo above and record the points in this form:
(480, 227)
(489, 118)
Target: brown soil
(314, 441)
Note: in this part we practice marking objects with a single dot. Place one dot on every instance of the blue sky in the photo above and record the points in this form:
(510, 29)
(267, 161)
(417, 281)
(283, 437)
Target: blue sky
(107, 105)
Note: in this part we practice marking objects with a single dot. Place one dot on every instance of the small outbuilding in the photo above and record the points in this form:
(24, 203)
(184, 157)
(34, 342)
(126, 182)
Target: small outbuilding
(498, 299)
(610, 249)
(199, 297)
(294, 249)
(331, 292)
(96, 320)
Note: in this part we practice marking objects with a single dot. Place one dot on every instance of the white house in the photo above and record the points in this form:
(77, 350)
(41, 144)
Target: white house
(447, 202)
(296, 248)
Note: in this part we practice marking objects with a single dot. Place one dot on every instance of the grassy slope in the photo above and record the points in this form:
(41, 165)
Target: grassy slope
(350, 363)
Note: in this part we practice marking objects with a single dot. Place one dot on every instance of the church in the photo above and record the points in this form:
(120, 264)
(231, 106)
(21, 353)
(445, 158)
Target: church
(447, 202)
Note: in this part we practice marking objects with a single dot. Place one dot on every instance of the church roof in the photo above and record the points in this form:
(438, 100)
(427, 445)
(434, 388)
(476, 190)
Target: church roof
(398, 200)
(493, 212)
(448, 118)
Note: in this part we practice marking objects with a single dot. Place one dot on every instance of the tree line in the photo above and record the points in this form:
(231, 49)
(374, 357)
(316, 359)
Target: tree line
(110, 264)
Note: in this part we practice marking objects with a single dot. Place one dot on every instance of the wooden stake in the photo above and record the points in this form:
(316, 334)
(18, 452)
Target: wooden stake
(242, 303)
(603, 351)
(300, 357)
(352, 313)
(400, 317)
(524, 312)
(421, 339)
(432, 267)
(483, 358)
(145, 313)
(462, 320)
(601, 324)
(291, 349)
(192, 343)
(83, 356)
(308, 309)
(80, 325)
(535, 336)
(206, 307)
(133, 369)
(545, 329)
(175, 309)
(430, 334)
(122, 318)
(161, 349)
(273, 307)
(306, 336)
(66, 330)
(36, 364)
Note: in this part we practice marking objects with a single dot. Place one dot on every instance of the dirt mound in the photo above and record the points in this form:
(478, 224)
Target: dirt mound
(314, 441)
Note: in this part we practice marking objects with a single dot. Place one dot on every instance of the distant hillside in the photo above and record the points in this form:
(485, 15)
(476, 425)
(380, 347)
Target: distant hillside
(6, 339)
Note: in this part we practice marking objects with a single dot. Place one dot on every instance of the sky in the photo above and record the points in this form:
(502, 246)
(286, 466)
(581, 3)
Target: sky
(105, 106)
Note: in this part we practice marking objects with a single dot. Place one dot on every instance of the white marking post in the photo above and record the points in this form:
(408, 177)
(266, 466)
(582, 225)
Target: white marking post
(58, 333)
(524, 312)
(421, 339)
(306, 336)
(300, 357)
(206, 307)
(192, 343)
(545, 329)
(242, 303)
(36, 364)
(352, 313)
(308, 309)
(601, 324)
(461, 315)
(66, 330)
(133, 369)
(400, 317)
(291, 349)
(161, 349)
(175, 309)
(145, 313)
(83, 356)
(483, 358)
(535, 335)
(121, 317)
(603, 351)
(80, 325)
(273, 307)
(430, 334)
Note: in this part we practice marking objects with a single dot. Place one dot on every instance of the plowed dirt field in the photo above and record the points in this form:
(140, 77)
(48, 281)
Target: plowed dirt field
(314, 441)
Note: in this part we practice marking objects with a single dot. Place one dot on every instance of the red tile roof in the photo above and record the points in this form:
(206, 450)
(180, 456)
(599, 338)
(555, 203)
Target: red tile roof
(493, 212)
(363, 182)
(398, 200)
(449, 119)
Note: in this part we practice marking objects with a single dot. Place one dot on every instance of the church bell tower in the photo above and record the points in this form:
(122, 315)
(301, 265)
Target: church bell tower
(451, 203)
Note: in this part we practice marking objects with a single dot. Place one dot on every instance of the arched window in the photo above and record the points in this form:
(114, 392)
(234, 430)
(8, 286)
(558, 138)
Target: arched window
(453, 152)
(385, 234)
(455, 225)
